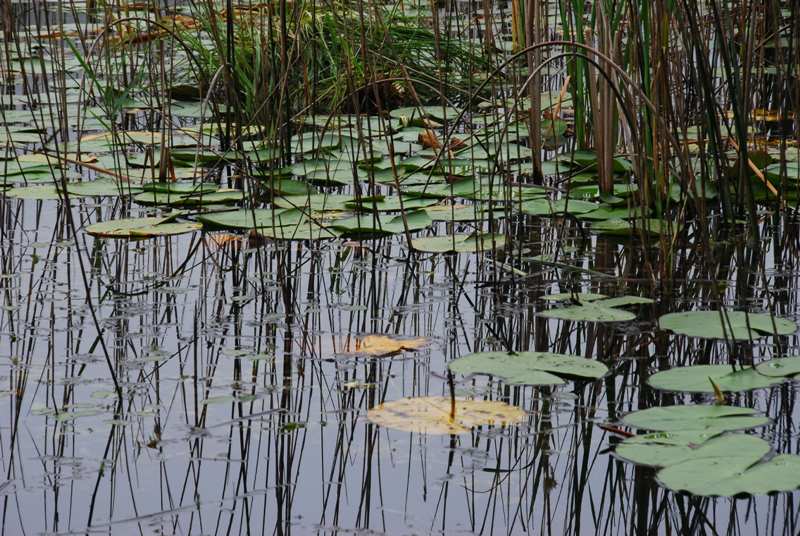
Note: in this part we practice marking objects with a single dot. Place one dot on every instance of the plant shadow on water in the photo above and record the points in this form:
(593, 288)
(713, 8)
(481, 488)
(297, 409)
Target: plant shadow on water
(251, 290)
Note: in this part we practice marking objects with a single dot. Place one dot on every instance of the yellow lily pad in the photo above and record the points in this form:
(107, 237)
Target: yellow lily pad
(431, 415)
(384, 345)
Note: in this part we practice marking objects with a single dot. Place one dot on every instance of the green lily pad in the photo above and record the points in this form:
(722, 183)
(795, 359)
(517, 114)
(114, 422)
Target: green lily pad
(412, 114)
(252, 218)
(581, 297)
(461, 243)
(621, 227)
(181, 187)
(101, 188)
(737, 324)
(529, 368)
(141, 227)
(780, 368)
(463, 213)
(315, 202)
(737, 474)
(608, 212)
(390, 204)
(171, 199)
(773, 172)
(547, 207)
(695, 379)
(304, 230)
(595, 309)
(284, 186)
(341, 176)
(710, 419)
(366, 224)
(664, 449)
(45, 192)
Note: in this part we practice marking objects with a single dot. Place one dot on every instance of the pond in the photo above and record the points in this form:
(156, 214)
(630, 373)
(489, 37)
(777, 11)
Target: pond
(228, 311)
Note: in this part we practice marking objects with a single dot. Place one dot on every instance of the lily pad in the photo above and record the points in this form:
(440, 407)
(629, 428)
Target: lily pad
(461, 243)
(463, 213)
(529, 368)
(697, 379)
(595, 309)
(252, 218)
(142, 227)
(317, 202)
(621, 227)
(664, 449)
(218, 197)
(547, 207)
(733, 324)
(384, 345)
(46, 192)
(304, 230)
(431, 415)
(390, 204)
(695, 418)
(784, 367)
(101, 188)
(736, 474)
(365, 225)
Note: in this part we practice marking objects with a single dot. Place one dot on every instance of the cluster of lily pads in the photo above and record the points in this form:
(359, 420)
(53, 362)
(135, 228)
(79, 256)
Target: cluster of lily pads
(700, 449)
(692, 446)
(350, 176)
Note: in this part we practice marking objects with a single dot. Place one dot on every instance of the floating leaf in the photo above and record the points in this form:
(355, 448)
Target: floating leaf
(384, 345)
(390, 204)
(141, 227)
(547, 207)
(46, 192)
(431, 415)
(607, 212)
(252, 218)
(595, 309)
(529, 368)
(738, 473)
(775, 173)
(463, 213)
(780, 368)
(218, 197)
(304, 230)
(365, 225)
(101, 188)
(733, 324)
(664, 449)
(316, 202)
(580, 297)
(695, 379)
(462, 243)
(620, 227)
(698, 418)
